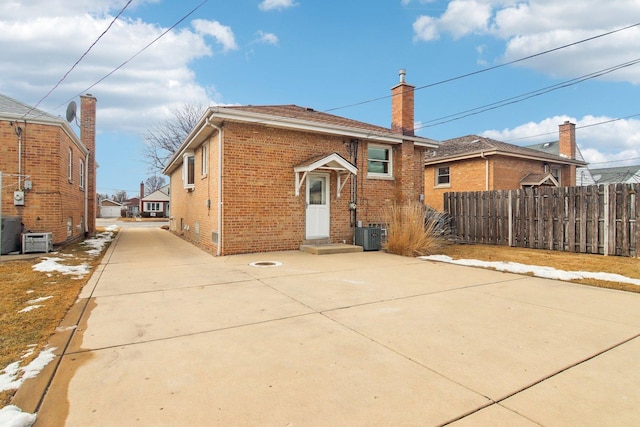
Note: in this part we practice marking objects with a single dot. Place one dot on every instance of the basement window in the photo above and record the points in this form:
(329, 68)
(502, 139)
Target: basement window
(379, 161)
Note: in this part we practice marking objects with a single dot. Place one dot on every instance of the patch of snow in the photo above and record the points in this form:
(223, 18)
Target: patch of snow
(29, 308)
(65, 328)
(538, 271)
(30, 291)
(11, 379)
(98, 242)
(48, 265)
(112, 227)
(37, 300)
(12, 416)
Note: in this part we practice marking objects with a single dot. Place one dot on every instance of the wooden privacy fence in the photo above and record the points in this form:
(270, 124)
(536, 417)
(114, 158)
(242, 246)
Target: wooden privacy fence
(598, 219)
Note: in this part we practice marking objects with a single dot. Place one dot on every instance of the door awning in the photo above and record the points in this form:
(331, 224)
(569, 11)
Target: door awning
(330, 162)
(538, 180)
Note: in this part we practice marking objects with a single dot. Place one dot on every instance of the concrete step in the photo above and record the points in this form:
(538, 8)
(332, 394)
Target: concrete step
(330, 248)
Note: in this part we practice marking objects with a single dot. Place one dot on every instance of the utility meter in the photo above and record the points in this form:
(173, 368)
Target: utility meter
(18, 198)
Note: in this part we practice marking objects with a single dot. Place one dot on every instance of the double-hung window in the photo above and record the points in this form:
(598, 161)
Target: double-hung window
(443, 176)
(70, 167)
(81, 174)
(188, 169)
(379, 161)
(205, 159)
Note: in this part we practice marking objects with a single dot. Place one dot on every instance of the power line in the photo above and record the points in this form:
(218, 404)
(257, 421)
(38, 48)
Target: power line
(489, 68)
(525, 96)
(139, 52)
(577, 128)
(79, 59)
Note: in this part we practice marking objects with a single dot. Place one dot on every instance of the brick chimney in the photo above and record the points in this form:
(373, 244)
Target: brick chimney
(567, 143)
(402, 107)
(88, 139)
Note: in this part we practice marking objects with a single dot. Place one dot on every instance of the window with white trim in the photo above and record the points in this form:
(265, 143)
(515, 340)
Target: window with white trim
(443, 176)
(556, 171)
(81, 174)
(379, 161)
(152, 206)
(70, 170)
(188, 170)
(205, 159)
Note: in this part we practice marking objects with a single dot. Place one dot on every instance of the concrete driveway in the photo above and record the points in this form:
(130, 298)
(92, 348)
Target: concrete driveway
(169, 336)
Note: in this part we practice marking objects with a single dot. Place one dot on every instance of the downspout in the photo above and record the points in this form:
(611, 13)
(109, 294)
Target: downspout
(220, 233)
(86, 192)
(19, 133)
(486, 171)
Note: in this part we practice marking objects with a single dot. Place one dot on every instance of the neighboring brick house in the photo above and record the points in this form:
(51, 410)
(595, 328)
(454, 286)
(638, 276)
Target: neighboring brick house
(155, 204)
(267, 178)
(475, 163)
(48, 172)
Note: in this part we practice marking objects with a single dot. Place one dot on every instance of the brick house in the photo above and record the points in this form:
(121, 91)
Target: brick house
(475, 163)
(48, 172)
(268, 178)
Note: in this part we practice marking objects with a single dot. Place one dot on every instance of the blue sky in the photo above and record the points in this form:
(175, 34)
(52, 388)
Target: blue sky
(327, 55)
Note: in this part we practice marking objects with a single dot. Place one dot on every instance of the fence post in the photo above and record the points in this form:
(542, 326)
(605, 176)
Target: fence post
(606, 220)
(510, 213)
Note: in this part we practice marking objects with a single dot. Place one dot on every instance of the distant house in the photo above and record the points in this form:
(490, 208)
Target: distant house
(268, 178)
(132, 207)
(156, 204)
(48, 172)
(475, 163)
(617, 175)
(110, 209)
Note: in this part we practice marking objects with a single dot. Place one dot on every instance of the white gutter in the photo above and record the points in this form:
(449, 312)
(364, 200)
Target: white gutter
(220, 206)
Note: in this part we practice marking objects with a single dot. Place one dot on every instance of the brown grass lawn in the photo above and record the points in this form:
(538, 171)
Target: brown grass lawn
(629, 267)
(19, 284)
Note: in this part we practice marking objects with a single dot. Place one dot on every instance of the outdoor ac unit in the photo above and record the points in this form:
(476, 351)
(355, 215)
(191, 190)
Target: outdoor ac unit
(37, 242)
(368, 238)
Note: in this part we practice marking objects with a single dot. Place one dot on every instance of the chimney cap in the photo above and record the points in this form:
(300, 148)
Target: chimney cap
(402, 74)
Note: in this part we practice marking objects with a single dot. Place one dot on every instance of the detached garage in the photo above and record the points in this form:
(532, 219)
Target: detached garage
(110, 209)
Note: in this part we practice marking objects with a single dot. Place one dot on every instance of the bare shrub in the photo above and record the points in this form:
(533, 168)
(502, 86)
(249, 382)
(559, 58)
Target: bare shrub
(413, 230)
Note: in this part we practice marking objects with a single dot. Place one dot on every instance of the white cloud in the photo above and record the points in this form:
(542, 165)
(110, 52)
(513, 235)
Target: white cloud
(533, 26)
(221, 33)
(276, 4)
(267, 38)
(599, 141)
(145, 90)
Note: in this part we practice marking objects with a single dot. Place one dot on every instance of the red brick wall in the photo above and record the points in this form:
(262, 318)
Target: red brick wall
(260, 209)
(53, 199)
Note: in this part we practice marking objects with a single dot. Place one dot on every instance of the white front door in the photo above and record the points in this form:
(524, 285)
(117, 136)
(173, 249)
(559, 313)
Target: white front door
(317, 213)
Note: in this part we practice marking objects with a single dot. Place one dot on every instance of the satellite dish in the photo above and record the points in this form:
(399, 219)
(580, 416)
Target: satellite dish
(71, 111)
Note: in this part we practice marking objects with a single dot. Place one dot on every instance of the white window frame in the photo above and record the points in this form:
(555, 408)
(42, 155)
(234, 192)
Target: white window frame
(205, 159)
(389, 162)
(152, 207)
(70, 167)
(438, 175)
(81, 174)
(555, 168)
(188, 157)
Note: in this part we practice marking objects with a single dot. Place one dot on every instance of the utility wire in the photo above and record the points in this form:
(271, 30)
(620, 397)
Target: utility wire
(489, 68)
(525, 96)
(79, 59)
(577, 127)
(139, 52)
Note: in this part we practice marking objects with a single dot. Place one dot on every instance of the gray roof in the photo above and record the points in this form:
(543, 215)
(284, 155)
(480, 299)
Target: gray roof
(476, 145)
(621, 174)
(553, 147)
(13, 109)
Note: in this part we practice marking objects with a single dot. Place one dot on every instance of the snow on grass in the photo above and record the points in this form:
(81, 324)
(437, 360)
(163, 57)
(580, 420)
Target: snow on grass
(538, 271)
(12, 416)
(37, 300)
(48, 265)
(13, 375)
(29, 308)
(97, 243)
